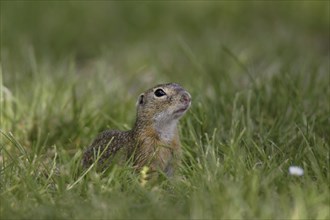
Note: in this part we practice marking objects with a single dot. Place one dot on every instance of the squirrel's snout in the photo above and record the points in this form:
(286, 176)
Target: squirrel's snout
(185, 98)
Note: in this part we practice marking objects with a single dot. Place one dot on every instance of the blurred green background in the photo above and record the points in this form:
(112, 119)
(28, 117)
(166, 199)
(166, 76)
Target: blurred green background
(135, 30)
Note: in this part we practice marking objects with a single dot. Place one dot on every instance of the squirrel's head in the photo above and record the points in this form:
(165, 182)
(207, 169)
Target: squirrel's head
(163, 104)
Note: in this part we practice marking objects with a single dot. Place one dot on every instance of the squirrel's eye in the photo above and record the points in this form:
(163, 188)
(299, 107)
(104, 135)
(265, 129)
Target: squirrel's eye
(159, 93)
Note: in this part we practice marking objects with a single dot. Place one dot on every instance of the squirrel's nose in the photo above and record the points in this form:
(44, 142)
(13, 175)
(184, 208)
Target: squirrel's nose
(185, 98)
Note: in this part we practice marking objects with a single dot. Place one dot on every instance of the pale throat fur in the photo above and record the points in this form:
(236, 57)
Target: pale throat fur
(167, 131)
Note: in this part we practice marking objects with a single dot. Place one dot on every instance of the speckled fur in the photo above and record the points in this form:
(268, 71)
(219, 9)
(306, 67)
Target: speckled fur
(153, 140)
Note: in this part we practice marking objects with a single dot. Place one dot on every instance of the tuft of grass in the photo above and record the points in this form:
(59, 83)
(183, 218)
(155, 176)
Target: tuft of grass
(259, 78)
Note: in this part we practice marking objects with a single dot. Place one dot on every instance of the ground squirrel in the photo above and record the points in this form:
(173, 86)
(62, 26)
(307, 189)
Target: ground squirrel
(154, 140)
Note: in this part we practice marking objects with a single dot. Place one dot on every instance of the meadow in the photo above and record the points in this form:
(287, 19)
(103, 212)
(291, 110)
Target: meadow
(258, 73)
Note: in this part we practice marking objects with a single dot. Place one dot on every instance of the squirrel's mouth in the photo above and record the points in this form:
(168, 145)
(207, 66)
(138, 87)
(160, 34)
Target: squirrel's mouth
(180, 111)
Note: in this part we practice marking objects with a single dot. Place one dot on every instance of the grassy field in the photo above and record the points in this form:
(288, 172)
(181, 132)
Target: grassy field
(258, 73)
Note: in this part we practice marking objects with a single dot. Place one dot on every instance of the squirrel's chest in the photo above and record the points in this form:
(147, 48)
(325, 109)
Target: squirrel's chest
(162, 151)
(164, 155)
(158, 154)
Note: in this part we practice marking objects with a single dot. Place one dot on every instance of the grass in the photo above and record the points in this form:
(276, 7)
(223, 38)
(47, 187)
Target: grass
(259, 77)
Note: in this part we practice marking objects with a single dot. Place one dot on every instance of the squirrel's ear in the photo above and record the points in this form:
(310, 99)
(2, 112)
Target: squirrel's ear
(140, 101)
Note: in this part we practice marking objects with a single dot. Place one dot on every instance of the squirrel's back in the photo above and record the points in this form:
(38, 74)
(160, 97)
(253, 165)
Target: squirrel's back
(106, 145)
